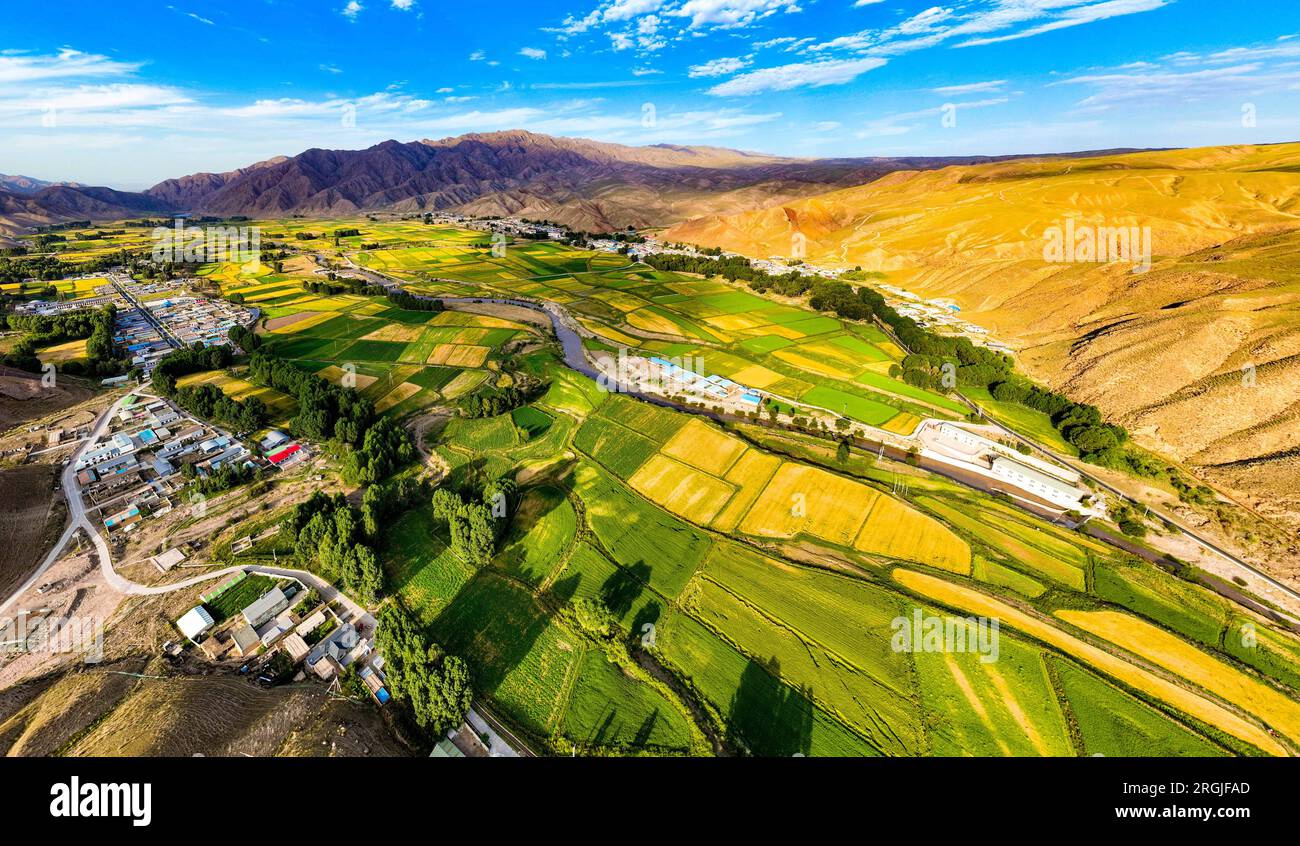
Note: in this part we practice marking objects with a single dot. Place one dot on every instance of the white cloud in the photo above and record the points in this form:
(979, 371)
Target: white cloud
(797, 75)
(66, 64)
(731, 13)
(1077, 16)
(718, 67)
(352, 9)
(403, 5)
(532, 53)
(477, 56)
(970, 87)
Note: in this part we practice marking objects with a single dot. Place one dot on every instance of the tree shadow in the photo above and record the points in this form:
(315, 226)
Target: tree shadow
(767, 716)
(624, 587)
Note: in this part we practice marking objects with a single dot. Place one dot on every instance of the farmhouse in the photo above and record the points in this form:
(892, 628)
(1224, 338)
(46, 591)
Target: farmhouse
(1048, 487)
(245, 639)
(265, 608)
(195, 622)
(167, 560)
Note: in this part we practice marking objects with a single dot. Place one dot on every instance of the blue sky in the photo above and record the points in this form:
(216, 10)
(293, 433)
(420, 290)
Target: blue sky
(141, 91)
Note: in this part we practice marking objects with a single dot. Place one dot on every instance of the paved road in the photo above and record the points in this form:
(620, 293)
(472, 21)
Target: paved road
(1186, 532)
(1083, 471)
(76, 509)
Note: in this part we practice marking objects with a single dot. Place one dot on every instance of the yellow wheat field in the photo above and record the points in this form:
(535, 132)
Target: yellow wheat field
(395, 332)
(1189, 702)
(650, 322)
(812, 365)
(403, 391)
(704, 447)
(469, 335)
(300, 321)
(750, 474)
(802, 499)
(458, 355)
(1161, 648)
(756, 376)
(464, 382)
(903, 423)
(335, 374)
(683, 490)
(735, 322)
(897, 530)
(461, 318)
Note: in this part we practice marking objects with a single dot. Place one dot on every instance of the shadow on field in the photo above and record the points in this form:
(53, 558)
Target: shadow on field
(621, 590)
(768, 717)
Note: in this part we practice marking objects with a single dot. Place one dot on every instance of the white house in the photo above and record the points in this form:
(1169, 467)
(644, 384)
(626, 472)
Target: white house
(195, 623)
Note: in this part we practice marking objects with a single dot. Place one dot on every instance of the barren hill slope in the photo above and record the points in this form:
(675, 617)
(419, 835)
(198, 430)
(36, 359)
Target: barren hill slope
(1200, 355)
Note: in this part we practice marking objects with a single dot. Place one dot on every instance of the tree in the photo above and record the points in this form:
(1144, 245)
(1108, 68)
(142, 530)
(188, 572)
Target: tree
(593, 617)
(842, 452)
(434, 685)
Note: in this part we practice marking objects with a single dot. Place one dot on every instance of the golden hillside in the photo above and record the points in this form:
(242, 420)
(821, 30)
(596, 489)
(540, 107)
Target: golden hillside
(1162, 351)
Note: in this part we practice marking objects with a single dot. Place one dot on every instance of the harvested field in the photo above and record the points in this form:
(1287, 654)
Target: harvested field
(31, 520)
(395, 332)
(23, 398)
(402, 392)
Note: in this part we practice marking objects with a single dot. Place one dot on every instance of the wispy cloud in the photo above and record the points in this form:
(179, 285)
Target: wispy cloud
(797, 75)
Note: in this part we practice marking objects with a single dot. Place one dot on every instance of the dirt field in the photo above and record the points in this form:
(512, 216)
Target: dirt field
(23, 398)
(32, 515)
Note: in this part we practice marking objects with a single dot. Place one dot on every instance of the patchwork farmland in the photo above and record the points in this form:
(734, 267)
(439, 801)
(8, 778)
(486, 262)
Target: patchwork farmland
(759, 573)
(770, 575)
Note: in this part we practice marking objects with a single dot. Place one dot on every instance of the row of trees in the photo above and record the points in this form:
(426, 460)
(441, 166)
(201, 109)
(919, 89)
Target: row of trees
(434, 685)
(384, 448)
(49, 267)
(193, 359)
(211, 403)
(44, 330)
(491, 401)
(410, 302)
(337, 285)
(325, 410)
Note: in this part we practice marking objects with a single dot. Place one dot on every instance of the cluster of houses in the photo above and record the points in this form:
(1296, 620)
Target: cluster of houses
(197, 319)
(281, 450)
(284, 620)
(671, 377)
(941, 313)
(510, 226)
(136, 333)
(135, 470)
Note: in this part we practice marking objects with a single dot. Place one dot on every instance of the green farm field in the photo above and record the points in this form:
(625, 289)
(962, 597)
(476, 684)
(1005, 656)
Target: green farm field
(757, 576)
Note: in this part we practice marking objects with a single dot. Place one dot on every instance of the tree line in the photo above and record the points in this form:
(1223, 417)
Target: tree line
(95, 326)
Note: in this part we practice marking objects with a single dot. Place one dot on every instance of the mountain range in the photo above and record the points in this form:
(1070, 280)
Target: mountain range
(588, 185)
